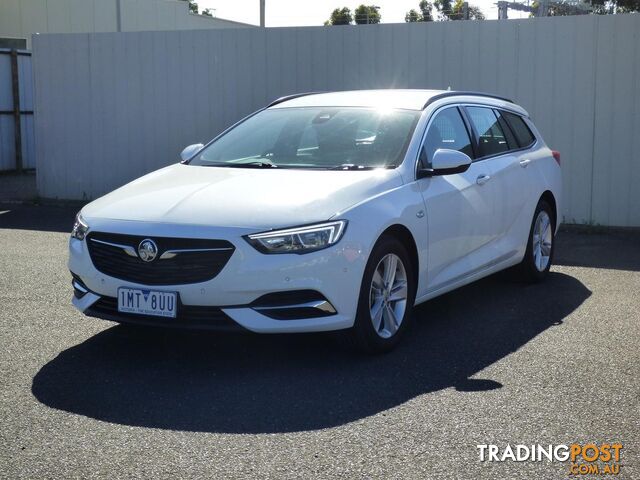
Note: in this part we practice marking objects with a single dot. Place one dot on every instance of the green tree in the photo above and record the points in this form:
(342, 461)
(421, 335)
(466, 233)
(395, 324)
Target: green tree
(412, 16)
(475, 13)
(340, 16)
(425, 14)
(426, 9)
(599, 7)
(622, 6)
(207, 12)
(458, 12)
(561, 8)
(444, 8)
(447, 11)
(367, 14)
(193, 6)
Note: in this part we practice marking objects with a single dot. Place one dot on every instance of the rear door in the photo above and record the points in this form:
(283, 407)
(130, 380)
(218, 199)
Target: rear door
(499, 148)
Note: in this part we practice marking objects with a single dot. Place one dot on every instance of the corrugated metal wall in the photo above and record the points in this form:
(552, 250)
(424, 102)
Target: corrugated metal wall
(110, 107)
(7, 121)
(22, 18)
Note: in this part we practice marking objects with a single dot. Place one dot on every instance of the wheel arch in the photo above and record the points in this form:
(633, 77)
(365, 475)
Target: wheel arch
(548, 197)
(405, 236)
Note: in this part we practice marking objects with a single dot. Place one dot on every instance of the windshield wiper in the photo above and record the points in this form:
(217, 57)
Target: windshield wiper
(256, 164)
(240, 165)
(351, 166)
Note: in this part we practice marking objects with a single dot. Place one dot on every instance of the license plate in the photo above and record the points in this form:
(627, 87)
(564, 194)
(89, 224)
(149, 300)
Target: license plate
(147, 302)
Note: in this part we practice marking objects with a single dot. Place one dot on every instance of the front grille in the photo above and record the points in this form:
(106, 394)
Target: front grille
(189, 316)
(195, 260)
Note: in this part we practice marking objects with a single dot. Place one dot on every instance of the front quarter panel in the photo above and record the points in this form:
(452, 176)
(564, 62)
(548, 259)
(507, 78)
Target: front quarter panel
(401, 206)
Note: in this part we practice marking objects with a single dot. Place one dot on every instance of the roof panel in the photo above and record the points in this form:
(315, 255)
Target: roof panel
(391, 98)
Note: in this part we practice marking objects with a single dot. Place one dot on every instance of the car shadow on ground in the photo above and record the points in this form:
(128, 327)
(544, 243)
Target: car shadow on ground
(266, 384)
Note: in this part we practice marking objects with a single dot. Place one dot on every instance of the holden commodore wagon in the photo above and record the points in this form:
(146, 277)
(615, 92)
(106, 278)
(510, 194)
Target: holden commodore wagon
(321, 212)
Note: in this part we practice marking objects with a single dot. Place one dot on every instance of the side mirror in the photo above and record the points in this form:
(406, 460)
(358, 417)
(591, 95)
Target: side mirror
(190, 151)
(446, 162)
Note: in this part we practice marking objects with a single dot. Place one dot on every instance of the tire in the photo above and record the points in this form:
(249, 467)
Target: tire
(392, 317)
(537, 259)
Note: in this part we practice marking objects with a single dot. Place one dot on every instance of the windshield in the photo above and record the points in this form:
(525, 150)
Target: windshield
(317, 137)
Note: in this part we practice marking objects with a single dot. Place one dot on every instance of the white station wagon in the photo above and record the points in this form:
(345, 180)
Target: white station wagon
(327, 211)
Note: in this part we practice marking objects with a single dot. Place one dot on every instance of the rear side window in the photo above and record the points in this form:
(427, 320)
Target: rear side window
(491, 137)
(511, 140)
(519, 128)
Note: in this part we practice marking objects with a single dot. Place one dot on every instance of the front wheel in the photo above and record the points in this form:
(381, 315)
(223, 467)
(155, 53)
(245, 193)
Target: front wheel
(539, 255)
(387, 295)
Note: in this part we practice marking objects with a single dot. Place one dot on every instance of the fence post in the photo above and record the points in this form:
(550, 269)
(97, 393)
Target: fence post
(15, 84)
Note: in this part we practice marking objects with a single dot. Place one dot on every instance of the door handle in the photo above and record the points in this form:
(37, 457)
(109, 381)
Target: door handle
(482, 179)
(525, 163)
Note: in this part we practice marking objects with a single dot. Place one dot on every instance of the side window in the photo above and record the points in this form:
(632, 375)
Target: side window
(491, 137)
(520, 129)
(447, 130)
(511, 140)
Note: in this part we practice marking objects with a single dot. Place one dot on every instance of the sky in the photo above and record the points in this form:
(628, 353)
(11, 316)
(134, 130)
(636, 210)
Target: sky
(288, 13)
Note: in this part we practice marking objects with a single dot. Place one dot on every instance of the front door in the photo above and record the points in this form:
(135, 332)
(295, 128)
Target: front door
(459, 206)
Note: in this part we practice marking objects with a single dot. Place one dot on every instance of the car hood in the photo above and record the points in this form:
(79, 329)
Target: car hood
(240, 197)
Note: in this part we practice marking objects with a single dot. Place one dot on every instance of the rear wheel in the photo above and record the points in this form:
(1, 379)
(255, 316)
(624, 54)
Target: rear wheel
(386, 298)
(539, 255)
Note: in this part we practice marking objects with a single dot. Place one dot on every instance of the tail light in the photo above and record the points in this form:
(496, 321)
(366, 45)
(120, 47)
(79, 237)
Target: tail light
(556, 155)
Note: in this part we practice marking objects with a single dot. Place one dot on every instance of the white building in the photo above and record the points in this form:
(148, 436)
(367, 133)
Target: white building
(19, 19)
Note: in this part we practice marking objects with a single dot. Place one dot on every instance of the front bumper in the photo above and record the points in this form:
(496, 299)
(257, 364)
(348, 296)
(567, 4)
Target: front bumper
(229, 299)
(199, 318)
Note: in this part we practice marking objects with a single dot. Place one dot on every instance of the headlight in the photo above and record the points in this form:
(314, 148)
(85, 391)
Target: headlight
(80, 228)
(299, 240)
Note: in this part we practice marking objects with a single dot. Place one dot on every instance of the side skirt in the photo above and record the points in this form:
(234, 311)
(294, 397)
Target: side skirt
(470, 278)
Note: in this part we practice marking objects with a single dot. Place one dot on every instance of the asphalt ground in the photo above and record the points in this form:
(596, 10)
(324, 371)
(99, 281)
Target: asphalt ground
(496, 362)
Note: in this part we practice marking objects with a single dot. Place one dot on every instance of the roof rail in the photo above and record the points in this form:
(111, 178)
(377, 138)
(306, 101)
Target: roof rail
(455, 93)
(290, 97)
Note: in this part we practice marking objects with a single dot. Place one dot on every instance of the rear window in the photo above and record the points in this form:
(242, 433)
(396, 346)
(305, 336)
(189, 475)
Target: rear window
(519, 128)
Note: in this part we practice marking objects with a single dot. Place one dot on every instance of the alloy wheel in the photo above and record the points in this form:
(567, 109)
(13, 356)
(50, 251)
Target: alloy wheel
(388, 295)
(542, 241)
